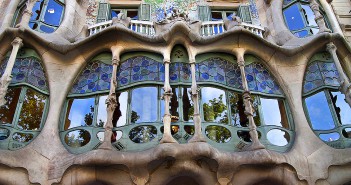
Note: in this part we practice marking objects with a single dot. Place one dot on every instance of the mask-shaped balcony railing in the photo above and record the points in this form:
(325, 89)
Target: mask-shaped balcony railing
(208, 28)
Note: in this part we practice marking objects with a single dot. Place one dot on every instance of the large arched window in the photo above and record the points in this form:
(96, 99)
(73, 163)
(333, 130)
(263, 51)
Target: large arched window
(328, 113)
(222, 103)
(24, 114)
(137, 118)
(47, 15)
(300, 18)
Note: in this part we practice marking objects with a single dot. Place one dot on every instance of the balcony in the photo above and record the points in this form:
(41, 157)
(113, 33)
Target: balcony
(208, 28)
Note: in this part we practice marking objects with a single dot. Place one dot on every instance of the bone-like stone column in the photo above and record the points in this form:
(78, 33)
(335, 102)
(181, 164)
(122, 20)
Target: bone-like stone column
(331, 16)
(345, 86)
(27, 13)
(249, 110)
(10, 12)
(111, 103)
(198, 137)
(6, 77)
(319, 17)
(167, 136)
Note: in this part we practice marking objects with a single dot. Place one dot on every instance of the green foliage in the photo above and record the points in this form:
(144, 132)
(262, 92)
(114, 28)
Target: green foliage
(214, 109)
(218, 134)
(134, 117)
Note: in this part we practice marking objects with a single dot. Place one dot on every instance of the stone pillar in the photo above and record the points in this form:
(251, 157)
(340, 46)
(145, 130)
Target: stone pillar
(331, 16)
(6, 77)
(198, 137)
(10, 13)
(27, 13)
(111, 103)
(249, 110)
(318, 17)
(167, 136)
(345, 86)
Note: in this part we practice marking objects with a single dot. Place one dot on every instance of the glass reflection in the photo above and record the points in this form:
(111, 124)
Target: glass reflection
(309, 15)
(218, 134)
(102, 113)
(53, 13)
(174, 105)
(319, 112)
(293, 17)
(342, 109)
(244, 135)
(143, 134)
(4, 133)
(174, 129)
(37, 10)
(8, 110)
(80, 112)
(120, 114)
(116, 135)
(278, 137)
(189, 129)
(188, 105)
(274, 112)
(329, 137)
(77, 138)
(144, 105)
(346, 132)
(21, 137)
(214, 105)
(32, 111)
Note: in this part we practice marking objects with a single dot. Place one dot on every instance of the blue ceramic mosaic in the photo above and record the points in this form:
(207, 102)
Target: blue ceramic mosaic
(180, 72)
(95, 77)
(220, 71)
(27, 70)
(140, 69)
(320, 74)
(260, 80)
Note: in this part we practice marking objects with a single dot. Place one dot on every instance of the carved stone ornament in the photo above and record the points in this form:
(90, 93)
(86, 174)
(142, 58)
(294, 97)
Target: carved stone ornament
(166, 24)
(4, 83)
(121, 19)
(229, 24)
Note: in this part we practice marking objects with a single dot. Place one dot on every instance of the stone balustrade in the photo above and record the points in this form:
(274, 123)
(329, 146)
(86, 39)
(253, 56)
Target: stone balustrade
(208, 28)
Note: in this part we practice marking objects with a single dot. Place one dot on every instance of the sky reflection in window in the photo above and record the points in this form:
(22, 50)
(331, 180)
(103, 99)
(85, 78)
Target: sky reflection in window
(293, 18)
(342, 109)
(53, 13)
(274, 112)
(319, 112)
(214, 105)
(80, 112)
(144, 105)
(309, 15)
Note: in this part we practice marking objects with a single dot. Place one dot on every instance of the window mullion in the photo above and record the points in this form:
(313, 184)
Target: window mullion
(259, 110)
(19, 106)
(129, 109)
(45, 112)
(96, 109)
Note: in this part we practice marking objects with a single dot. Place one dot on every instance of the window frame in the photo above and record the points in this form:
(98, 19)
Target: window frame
(40, 20)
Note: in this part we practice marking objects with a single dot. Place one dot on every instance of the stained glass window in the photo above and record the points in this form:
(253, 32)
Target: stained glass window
(95, 77)
(29, 71)
(219, 70)
(140, 69)
(325, 106)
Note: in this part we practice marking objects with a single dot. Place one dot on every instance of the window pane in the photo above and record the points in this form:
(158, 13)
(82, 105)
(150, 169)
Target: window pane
(330, 136)
(216, 16)
(237, 110)
(102, 113)
(319, 112)
(8, 110)
(301, 34)
(293, 18)
(174, 105)
(120, 114)
(46, 29)
(309, 15)
(77, 138)
(53, 13)
(32, 111)
(214, 105)
(38, 6)
(188, 105)
(133, 14)
(144, 105)
(342, 109)
(278, 137)
(80, 112)
(274, 112)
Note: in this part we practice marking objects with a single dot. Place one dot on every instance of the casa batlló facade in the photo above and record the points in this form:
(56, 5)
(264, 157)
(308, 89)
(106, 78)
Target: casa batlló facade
(232, 92)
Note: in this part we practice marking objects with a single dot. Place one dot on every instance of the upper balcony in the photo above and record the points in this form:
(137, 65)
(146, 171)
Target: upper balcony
(208, 28)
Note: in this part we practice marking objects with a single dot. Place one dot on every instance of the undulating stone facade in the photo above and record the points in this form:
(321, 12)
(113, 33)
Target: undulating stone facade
(47, 157)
